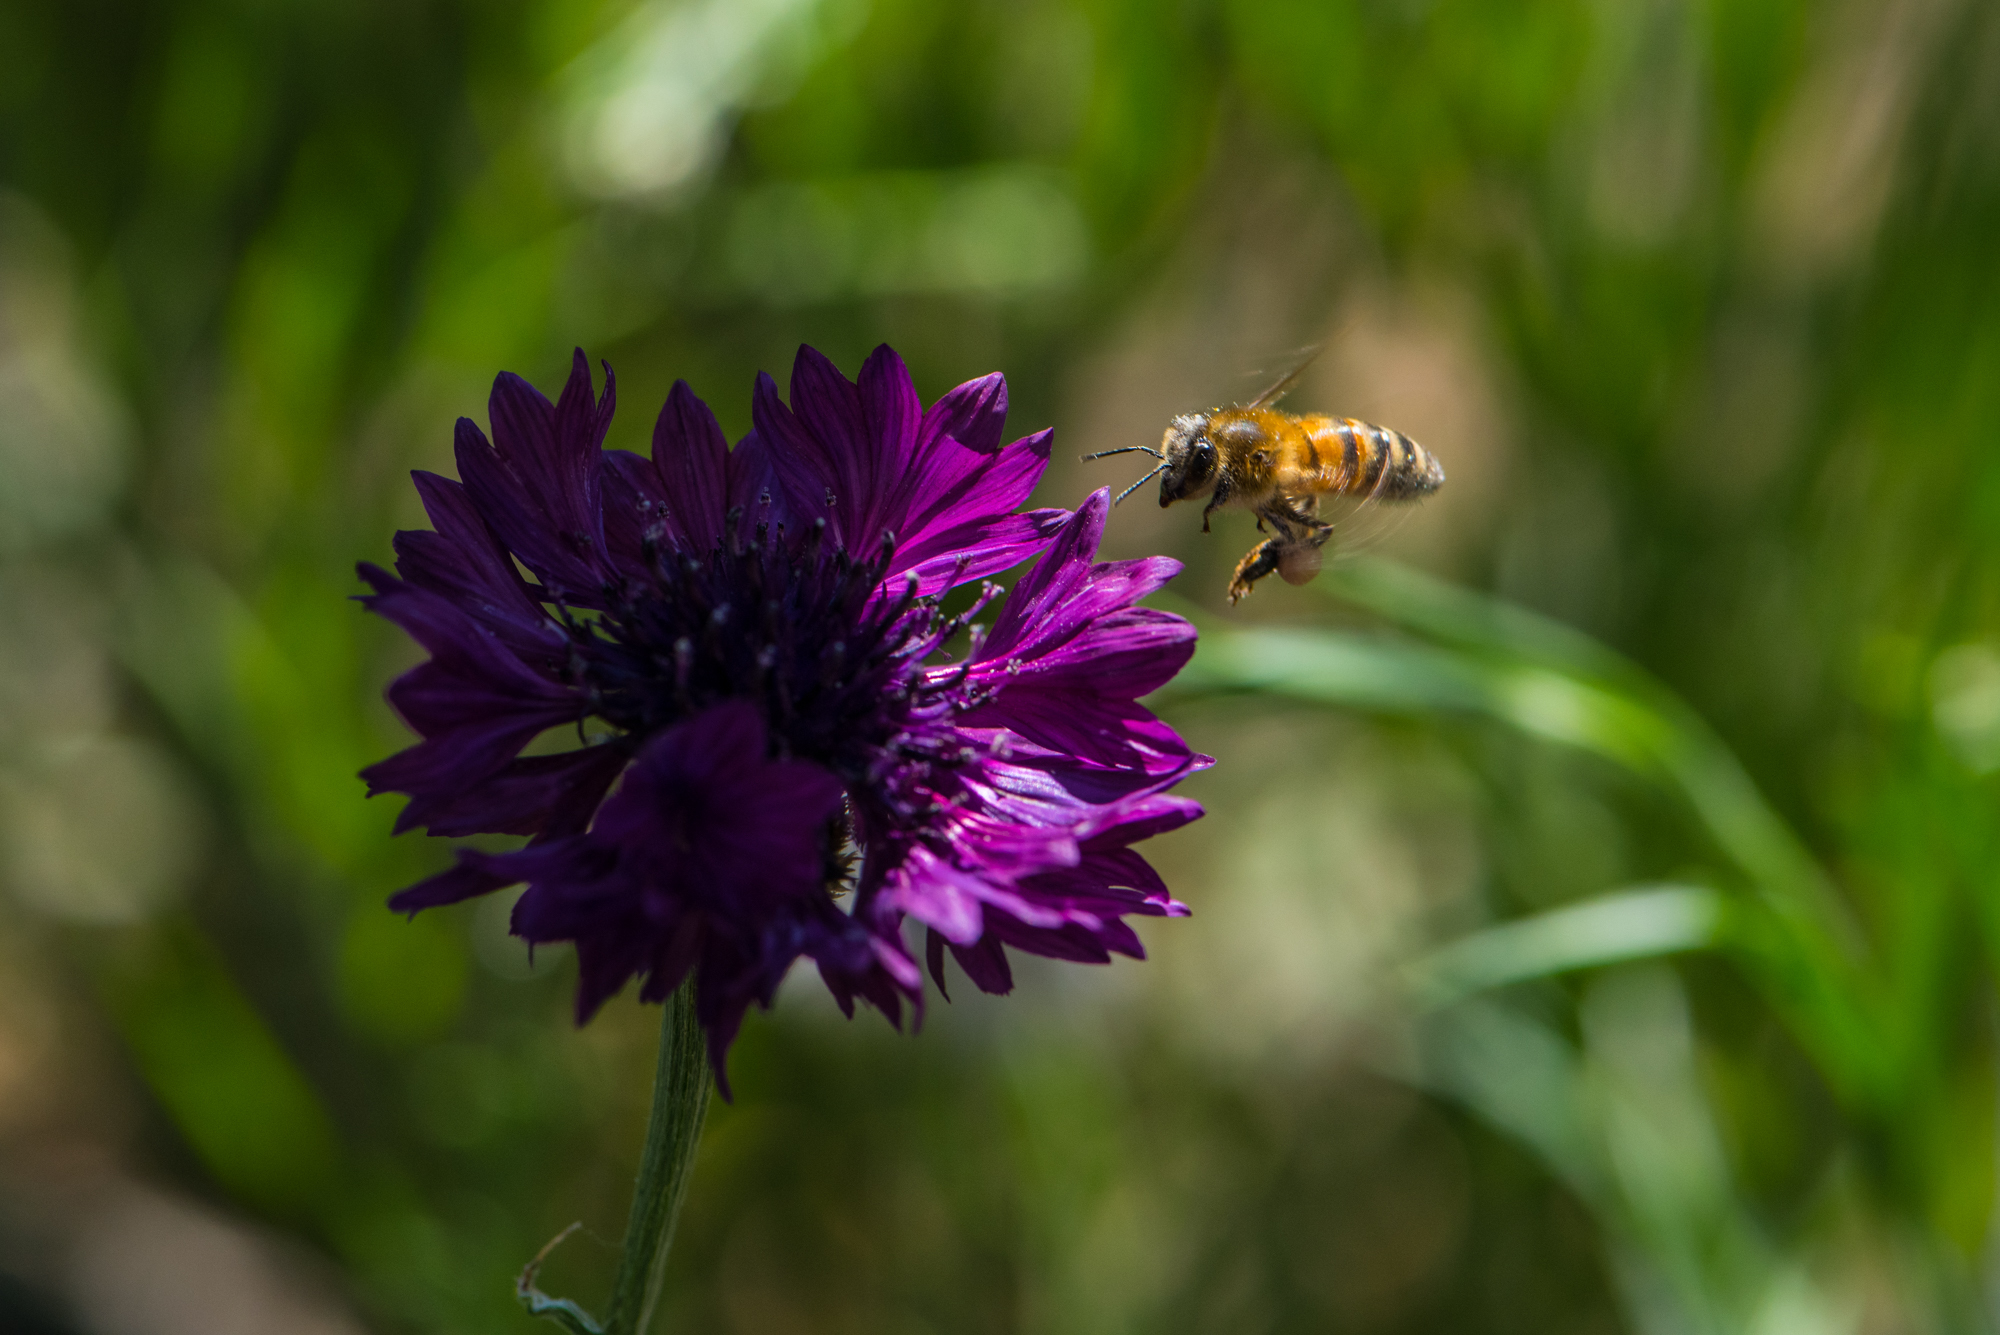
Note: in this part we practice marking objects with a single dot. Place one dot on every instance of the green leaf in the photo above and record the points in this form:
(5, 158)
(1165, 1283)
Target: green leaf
(1638, 923)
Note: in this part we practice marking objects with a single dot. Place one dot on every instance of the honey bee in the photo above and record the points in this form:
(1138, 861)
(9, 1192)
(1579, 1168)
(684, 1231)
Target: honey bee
(1278, 465)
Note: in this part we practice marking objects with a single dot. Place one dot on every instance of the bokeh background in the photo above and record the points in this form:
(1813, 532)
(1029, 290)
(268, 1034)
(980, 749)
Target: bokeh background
(1596, 915)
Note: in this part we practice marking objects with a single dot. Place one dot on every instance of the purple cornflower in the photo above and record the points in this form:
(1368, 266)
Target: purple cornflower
(747, 646)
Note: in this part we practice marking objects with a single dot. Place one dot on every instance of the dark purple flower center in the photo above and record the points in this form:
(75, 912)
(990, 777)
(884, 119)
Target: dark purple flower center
(832, 658)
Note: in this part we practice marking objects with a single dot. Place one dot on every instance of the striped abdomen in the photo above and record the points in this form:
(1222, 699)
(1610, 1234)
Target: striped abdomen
(1344, 457)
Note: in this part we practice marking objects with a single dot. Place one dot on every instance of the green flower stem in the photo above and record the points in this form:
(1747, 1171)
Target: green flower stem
(673, 1130)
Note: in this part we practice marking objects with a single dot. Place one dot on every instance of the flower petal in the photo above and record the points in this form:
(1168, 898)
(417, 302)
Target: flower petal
(955, 486)
(891, 415)
(975, 551)
(635, 511)
(986, 965)
(807, 476)
(974, 414)
(474, 703)
(521, 798)
(1122, 654)
(1088, 736)
(709, 856)
(464, 562)
(691, 454)
(827, 407)
(538, 483)
(753, 486)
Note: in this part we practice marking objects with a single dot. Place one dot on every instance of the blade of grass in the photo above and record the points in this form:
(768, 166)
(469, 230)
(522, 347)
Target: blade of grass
(1550, 682)
(1637, 923)
(1679, 742)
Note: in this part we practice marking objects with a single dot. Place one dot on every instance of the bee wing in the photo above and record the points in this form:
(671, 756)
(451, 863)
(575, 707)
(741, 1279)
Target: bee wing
(1284, 383)
(1359, 522)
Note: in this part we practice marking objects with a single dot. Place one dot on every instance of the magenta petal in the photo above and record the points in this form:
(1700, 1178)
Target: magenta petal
(474, 703)
(891, 414)
(521, 798)
(603, 964)
(753, 487)
(463, 881)
(985, 963)
(974, 414)
(1125, 654)
(807, 476)
(471, 674)
(537, 485)
(940, 895)
(827, 406)
(703, 800)
(966, 500)
(934, 960)
(1117, 736)
(490, 594)
(635, 511)
(876, 969)
(1077, 944)
(1155, 813)
(959, 486)
(1042, 590)
(976, 552)
(1105, 885)
(691, 454)
(553, 447)
(478, 576)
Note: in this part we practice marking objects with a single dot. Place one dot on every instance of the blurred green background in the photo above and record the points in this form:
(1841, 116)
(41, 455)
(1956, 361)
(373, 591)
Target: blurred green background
(1596, 915)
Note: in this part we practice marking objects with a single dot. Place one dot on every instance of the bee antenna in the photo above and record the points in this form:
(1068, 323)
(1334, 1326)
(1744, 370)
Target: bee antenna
(1125, 449)
(1140, 483)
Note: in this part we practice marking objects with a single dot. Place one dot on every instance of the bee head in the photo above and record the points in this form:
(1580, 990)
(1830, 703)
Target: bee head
(1189, 454)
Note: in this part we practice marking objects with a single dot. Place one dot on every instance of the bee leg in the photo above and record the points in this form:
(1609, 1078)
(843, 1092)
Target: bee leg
(1217, 500)
(1293, 528)
(1292, 515)
(1258, 562)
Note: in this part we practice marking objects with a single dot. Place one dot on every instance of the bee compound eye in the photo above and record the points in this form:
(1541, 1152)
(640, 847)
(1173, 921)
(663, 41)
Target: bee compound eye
(1204, 458)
